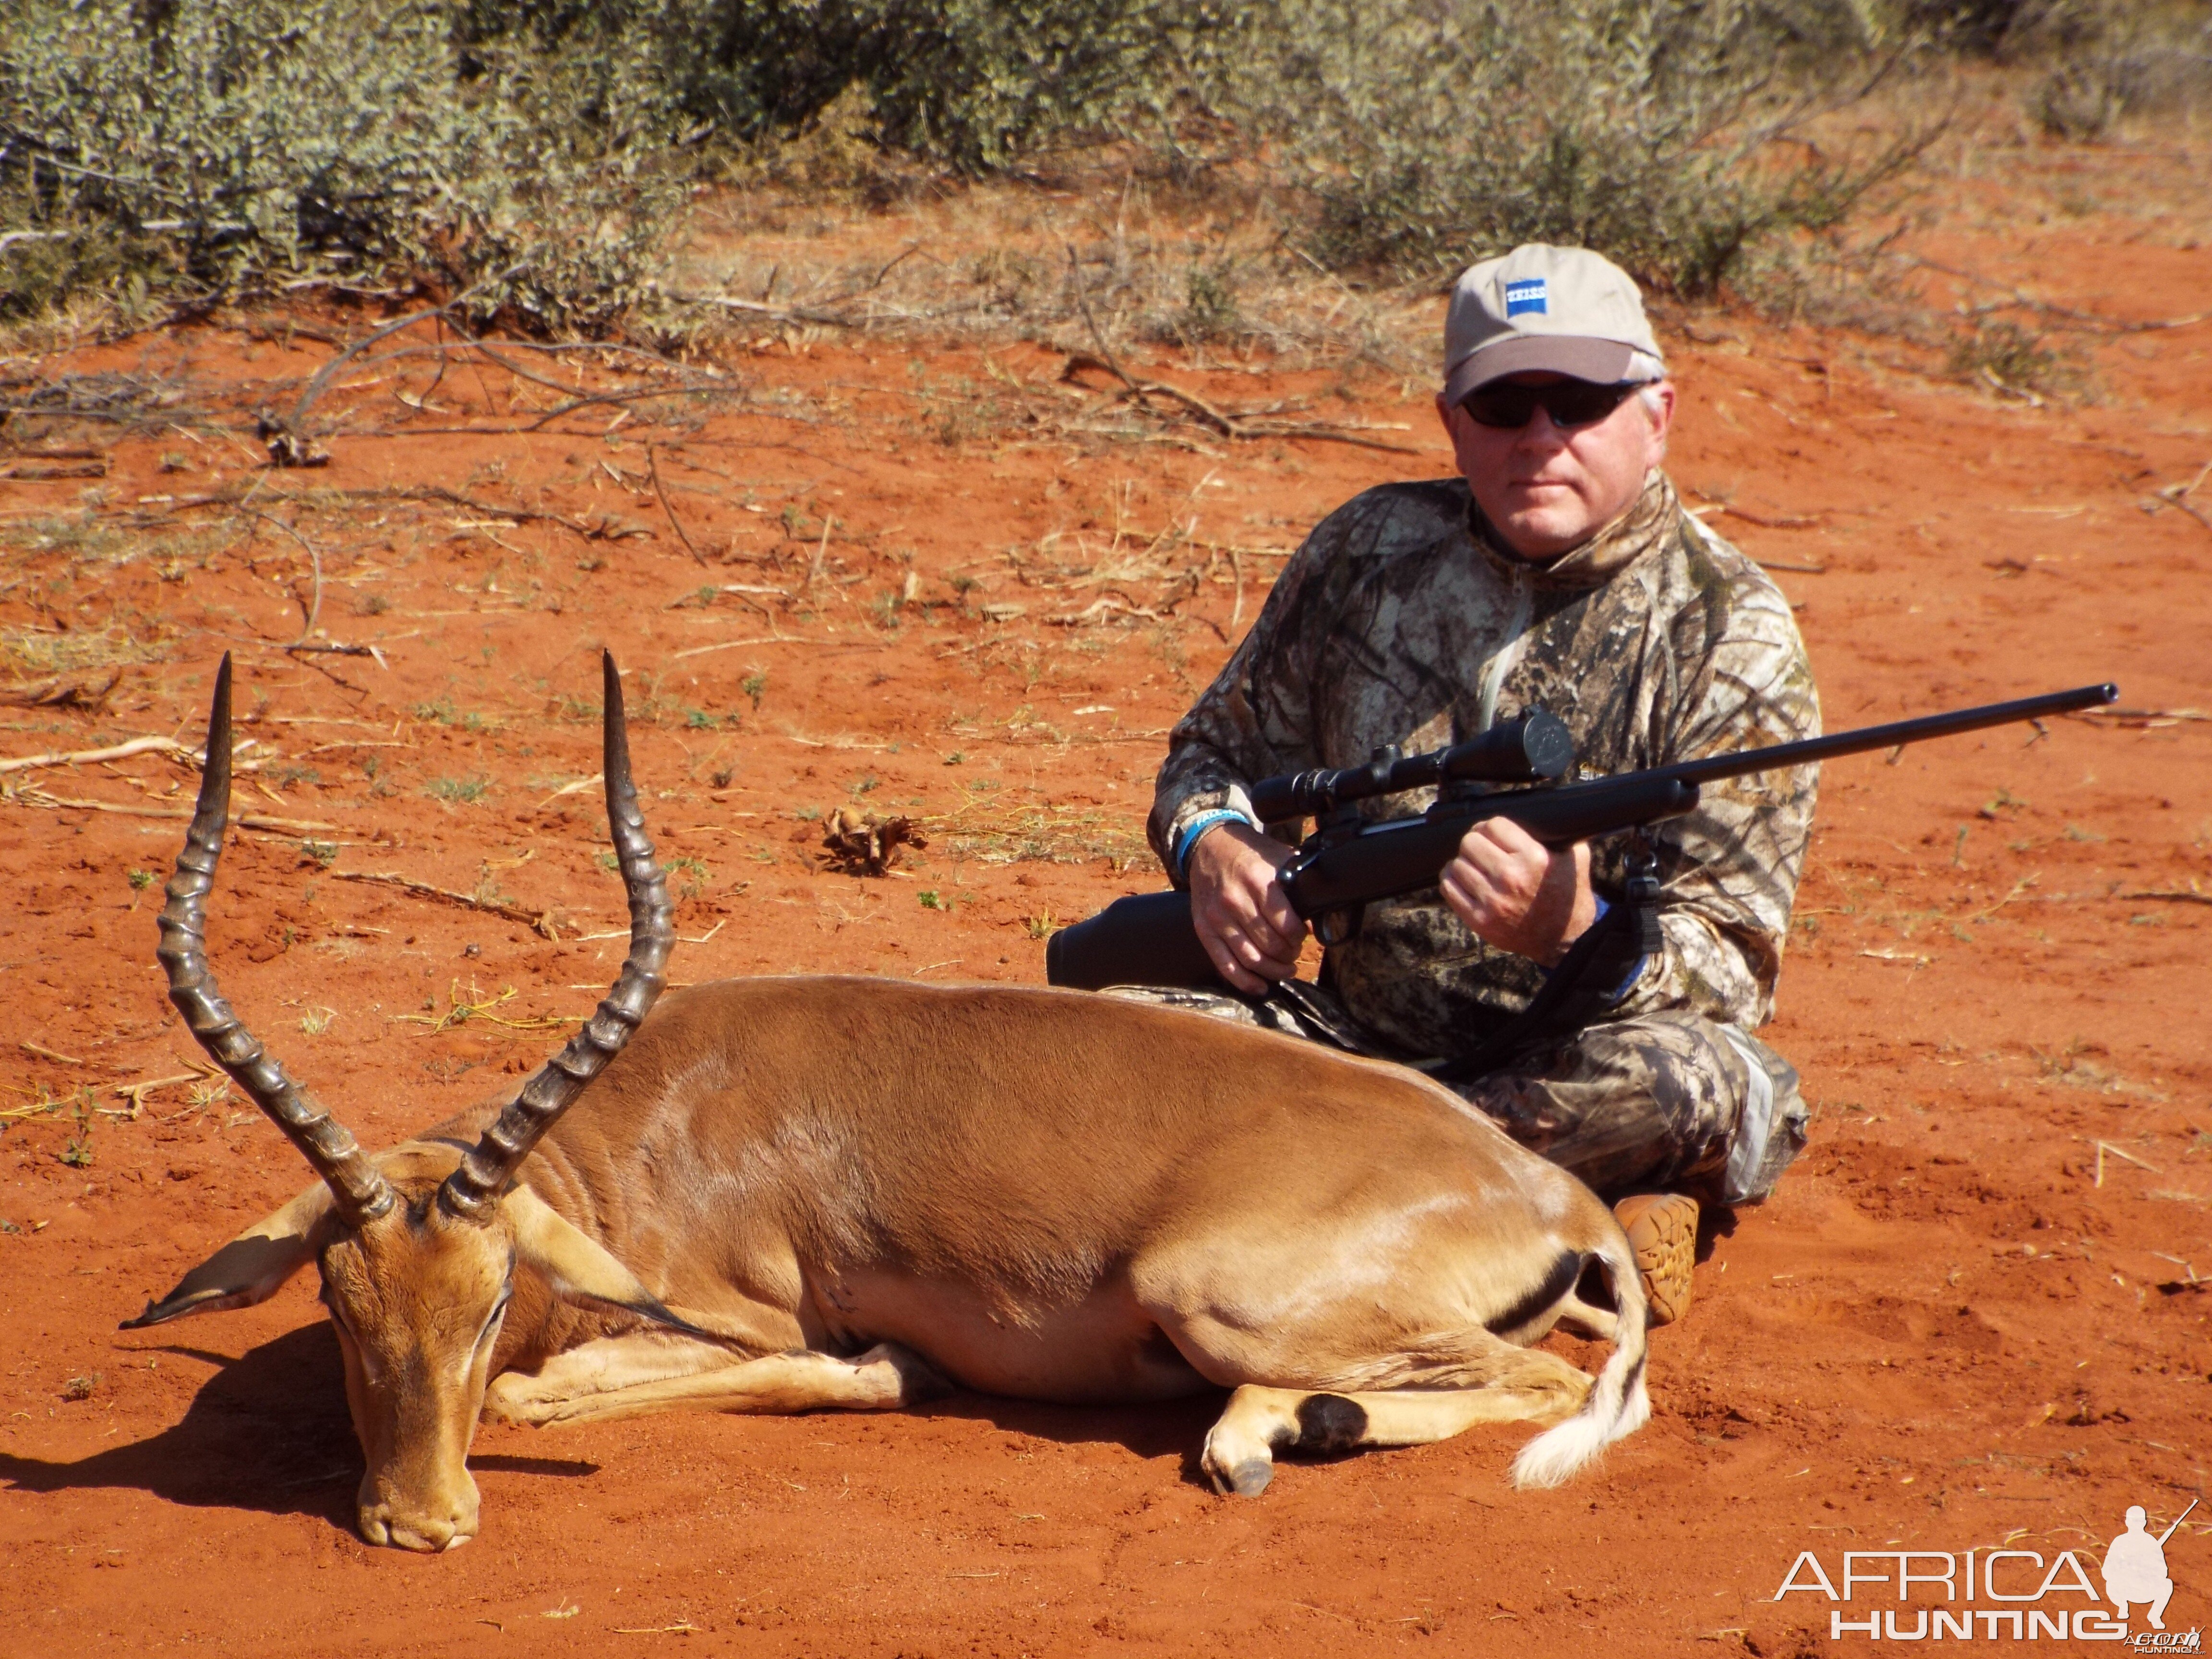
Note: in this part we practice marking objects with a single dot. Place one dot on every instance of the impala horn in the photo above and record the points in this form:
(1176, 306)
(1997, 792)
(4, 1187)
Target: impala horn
(474, 1189)
(354, 1182)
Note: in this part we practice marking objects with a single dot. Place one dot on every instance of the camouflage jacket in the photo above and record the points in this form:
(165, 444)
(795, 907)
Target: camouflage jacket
(1399, 622)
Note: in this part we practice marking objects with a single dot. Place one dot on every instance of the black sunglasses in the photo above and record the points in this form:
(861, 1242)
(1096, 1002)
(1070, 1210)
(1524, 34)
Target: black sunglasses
(1568, 402)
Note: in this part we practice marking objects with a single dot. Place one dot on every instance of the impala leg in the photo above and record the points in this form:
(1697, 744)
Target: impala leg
(1580, 1317)
(1240, 1450)
(630, 1381)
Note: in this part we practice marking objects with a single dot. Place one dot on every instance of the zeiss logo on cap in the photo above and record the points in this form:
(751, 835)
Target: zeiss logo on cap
(1526, 296)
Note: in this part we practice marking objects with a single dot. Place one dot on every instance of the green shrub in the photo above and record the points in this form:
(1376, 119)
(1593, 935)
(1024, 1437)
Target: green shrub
(2104, 61)
(974, 83)
(1429, 135)
(535, 154)
(263, 141)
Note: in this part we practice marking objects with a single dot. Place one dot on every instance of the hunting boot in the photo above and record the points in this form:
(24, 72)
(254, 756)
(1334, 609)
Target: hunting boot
(1662, 1231)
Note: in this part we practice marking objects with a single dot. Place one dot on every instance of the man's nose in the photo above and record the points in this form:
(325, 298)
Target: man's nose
(1541, 433)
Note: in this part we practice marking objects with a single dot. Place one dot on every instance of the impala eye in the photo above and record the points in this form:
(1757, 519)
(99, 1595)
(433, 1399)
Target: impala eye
(492, 1319)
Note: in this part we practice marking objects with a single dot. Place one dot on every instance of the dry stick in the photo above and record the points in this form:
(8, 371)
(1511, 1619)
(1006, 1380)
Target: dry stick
(303, 646)
(48, 1054)
(653, 472)
(814, 566)
(542, 922)
(1083, 303)
(315, 559)
(780, 313)
(323, 374)
(1228, 426)
(731, 645)
(2173, 896)
(522, 374)
(2021, 297)
(454, 498)
(2132, 716)
(2103, 1147)
(86, 756)
(1327, 434)
(136, 1093)
(249, 821)
(603, 398)
(314, 389)
(2177, 495)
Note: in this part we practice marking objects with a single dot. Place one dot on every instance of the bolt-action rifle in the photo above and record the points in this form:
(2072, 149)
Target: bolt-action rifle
(1149, 939)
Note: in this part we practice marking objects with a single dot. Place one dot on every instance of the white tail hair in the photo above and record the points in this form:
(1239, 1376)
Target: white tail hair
(1618, 1405)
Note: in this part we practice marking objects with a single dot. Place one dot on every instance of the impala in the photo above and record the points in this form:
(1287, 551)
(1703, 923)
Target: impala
(794, 1194)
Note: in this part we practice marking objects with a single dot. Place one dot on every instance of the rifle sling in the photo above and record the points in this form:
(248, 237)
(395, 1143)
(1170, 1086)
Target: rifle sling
(1573, 995)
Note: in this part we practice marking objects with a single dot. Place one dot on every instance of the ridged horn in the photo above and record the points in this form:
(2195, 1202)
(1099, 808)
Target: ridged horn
(354, 1180)
(474, 1189)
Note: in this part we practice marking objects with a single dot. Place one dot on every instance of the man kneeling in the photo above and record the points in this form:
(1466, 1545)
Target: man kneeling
(1560, 571)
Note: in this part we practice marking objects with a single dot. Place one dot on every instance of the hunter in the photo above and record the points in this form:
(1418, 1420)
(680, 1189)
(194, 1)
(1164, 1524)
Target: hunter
(1559, 571)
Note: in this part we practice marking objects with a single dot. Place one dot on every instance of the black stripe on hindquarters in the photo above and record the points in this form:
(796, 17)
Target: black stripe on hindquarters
(1556, 1283)
(1328, 1423)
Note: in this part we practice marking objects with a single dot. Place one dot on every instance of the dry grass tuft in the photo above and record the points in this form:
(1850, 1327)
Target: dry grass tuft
(27, 652)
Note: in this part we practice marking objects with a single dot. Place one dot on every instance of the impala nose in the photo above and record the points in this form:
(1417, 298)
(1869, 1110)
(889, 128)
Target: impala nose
(427, 1528)
(428, 1535)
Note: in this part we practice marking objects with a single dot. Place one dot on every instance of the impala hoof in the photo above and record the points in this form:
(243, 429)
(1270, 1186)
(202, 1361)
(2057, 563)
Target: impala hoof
(1248, 1479)
(912, 1378)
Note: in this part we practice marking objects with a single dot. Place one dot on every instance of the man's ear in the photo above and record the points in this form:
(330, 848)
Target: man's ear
(579, 1269)
(1661, 418)
(251, 1268)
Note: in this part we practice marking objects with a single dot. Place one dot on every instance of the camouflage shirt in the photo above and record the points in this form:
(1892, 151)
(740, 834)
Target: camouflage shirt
(1400, 621)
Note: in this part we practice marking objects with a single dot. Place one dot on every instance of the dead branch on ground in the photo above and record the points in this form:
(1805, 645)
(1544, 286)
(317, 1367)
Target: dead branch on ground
(540, 920)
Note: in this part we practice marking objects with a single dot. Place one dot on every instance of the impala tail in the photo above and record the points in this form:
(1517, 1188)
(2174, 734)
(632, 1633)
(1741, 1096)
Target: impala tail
(1618, 1405)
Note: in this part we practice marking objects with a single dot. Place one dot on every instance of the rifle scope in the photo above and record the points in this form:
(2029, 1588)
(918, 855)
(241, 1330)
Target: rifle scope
(1527, 749)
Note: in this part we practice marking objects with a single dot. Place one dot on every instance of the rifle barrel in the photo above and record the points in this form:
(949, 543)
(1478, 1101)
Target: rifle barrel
(1381, 860)
(1866, 737)
(2178, 1520)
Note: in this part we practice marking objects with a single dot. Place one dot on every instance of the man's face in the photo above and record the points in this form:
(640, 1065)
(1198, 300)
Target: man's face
(1547, 488)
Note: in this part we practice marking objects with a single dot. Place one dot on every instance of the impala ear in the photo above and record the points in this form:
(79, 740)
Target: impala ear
(251, 1268)
(577, 1268)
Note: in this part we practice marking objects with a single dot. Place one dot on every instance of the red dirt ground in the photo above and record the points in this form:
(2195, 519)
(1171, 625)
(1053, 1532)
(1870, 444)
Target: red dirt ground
(1959, 1323)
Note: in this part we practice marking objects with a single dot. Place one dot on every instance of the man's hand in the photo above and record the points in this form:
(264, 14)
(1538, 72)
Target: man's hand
(1517, 894)
(1243, 919)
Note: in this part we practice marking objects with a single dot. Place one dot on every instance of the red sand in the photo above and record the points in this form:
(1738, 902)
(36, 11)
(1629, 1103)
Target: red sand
(1943, 1332)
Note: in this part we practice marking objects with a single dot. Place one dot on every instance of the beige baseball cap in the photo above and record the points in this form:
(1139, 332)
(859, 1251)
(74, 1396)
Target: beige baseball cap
(1562, 309)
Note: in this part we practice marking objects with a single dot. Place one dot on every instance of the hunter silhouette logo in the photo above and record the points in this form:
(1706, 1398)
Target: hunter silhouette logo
(2029, 1593)
(2135, 1567)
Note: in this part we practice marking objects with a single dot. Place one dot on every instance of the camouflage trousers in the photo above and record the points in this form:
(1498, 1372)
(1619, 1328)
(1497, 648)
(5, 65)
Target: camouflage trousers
(1670, 1102)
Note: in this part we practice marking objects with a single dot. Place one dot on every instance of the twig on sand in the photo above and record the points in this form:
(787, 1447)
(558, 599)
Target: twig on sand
(774, 313)
(2143, 716)
(247, 821)
(116, 752)
(2172, 895)
(2178, 494)
(1246, 428)
(45, 1052)
(542, 920)
(315, 561)
(653, 472)
(136, 1093)
(1110, 363)
(2103, 1147)
(322, 378)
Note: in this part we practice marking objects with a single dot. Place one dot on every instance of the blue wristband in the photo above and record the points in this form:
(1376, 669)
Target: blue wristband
(1197, 827)
(1635, 971)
